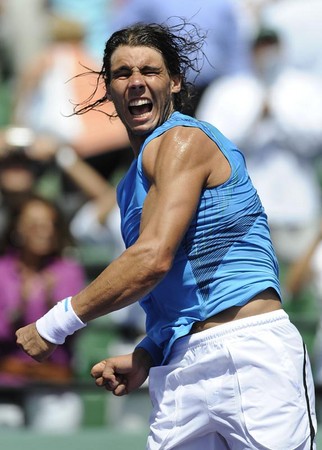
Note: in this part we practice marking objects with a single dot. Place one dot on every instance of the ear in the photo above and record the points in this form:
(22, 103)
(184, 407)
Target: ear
(176, 84)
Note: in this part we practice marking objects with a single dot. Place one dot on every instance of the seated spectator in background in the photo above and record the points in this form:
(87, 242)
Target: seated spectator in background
(22, 174)
(18, 172)
(34, 274)
(98, 218)
(307, 271)
(274, 114)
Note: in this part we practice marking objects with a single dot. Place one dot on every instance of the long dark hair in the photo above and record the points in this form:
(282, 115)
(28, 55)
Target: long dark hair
(9, 239)
(180, 46)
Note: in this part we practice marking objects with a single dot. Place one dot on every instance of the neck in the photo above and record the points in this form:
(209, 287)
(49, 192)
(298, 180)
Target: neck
(136, 141)
(31, 261)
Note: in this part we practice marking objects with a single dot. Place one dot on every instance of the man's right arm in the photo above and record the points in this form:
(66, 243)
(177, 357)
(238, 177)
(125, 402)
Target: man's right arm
(178, 171)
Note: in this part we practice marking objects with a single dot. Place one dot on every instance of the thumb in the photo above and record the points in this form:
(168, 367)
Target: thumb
(98, 369)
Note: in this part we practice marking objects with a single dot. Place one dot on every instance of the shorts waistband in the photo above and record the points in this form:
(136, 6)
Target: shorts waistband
(228, 329)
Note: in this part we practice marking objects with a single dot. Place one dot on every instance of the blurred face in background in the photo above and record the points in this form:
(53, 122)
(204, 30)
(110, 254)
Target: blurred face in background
(16, 180)
(37, 229)
(268, 59)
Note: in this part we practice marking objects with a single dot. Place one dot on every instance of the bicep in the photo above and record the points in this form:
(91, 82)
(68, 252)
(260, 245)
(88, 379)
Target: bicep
(168, 212)
(178, 179)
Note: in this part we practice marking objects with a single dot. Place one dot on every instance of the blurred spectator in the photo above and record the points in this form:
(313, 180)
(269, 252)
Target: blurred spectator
(18, 172)
(24, 26)
(95, 17)
(25, 158)
(56, 80)
(35, 274)
(274, 114)
(21, 174)
(307, 271)
(46, 93)
(97, 220)
(299, 24)
(226, 52)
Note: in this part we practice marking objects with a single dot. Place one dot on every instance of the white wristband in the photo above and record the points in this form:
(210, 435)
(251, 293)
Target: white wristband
(59, 322)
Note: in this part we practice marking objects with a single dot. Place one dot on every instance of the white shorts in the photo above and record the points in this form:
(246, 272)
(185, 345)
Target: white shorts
(242, 385)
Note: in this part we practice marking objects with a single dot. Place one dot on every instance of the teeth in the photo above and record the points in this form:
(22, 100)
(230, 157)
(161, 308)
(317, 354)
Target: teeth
(139, 102)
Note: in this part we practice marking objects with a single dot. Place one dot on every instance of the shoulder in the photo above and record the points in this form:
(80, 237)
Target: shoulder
(181, 145)
(180, 138)
(193, 148)
(183, 133)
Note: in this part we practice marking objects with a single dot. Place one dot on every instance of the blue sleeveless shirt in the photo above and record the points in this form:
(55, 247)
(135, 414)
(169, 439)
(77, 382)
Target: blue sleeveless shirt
(225, 258)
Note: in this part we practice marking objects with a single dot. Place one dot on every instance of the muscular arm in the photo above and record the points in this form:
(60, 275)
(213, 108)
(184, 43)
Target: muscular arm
(179, 165)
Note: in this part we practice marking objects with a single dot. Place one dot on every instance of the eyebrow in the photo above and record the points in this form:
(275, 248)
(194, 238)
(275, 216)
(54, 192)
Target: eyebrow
(144, 68)
(147, 67)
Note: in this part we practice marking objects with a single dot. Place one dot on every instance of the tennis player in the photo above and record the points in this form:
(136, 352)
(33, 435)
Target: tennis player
(227, 369)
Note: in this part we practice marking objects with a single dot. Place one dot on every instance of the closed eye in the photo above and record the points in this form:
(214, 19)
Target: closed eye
(122, 73)
(150, 70)
(126, 72)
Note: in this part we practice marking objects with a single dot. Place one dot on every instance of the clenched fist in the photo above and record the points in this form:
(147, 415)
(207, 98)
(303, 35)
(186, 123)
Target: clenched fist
(30, 341)
(123, 374)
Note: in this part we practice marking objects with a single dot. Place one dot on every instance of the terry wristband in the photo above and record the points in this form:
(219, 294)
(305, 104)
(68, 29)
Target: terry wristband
(59, 322)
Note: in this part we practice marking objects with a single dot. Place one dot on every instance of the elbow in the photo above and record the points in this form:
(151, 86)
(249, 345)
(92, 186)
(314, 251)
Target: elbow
(156, 259)
(163, 265)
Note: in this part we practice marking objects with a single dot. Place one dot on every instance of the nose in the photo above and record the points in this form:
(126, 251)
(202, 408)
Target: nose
(136, 80)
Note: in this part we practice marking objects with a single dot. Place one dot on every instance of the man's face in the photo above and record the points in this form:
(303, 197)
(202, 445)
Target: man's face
(141, 89)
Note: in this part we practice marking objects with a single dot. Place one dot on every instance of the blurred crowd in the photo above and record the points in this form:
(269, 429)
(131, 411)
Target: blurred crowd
(260, 83)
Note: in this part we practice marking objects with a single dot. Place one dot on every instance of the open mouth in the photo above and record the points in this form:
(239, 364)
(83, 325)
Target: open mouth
(140, 106)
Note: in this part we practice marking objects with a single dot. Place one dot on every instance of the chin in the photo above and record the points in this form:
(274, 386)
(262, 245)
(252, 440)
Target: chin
(144, 129)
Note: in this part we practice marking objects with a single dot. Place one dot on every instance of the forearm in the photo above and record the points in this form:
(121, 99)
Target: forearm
(82, 174)
(300, 271)
(154, 351)
(144, 359)
(126, 280)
